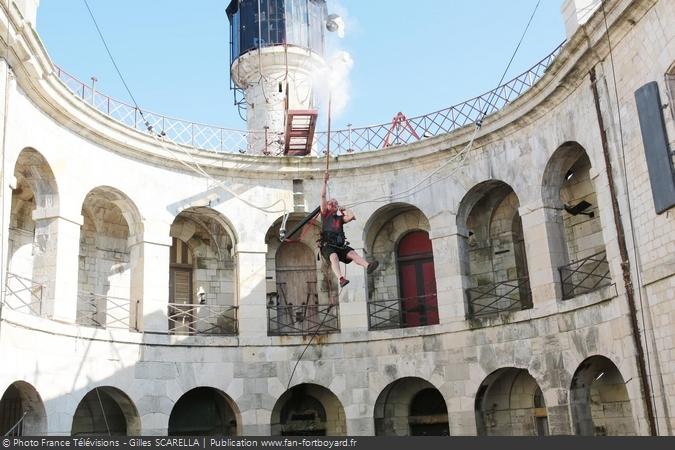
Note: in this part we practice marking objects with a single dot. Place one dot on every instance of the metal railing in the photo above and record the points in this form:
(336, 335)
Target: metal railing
(402, 312)
(23, 294)
(304, 320)
(104, 311)
(190, 318)
(585, 275)
(503, 296)
(225, 140)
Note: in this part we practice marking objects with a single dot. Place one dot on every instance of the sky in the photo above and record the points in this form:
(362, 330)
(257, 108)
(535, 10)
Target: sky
(413, 57)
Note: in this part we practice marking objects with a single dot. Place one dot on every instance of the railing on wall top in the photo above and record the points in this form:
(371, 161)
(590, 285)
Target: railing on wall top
(226, 140)
(585, 275)
(303, 320)
(104, 311)
(23, 294)
(194, 318)
(403, 312)
(502, 296)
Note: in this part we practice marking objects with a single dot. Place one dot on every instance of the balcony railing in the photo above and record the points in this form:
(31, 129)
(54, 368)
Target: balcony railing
(503, 296)
(103, 311)
(189, 318)
(224, 140)
(585, 275)
(403, 312)
(304, 320)
(23, 294)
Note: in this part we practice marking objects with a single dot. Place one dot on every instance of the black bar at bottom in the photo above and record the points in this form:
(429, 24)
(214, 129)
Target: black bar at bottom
(349, 442)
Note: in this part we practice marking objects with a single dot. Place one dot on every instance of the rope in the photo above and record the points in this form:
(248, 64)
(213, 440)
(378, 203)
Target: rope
(107, 49)
(196, 167)
(19, 422)
(105, 419)
(330, 286)
(632, 224)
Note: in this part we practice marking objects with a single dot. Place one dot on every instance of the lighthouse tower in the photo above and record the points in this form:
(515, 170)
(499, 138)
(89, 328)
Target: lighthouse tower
(277, 50)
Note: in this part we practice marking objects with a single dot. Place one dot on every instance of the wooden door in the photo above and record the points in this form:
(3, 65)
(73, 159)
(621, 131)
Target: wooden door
(296, 274)
(417, 280)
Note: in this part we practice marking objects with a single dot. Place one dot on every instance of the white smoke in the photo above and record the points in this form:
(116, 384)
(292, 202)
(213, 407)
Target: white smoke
(334, 81)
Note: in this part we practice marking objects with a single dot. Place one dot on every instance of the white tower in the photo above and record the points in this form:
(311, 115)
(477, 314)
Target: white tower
(276, 53)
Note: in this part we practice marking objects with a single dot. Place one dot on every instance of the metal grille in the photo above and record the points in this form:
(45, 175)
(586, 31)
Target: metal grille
(288, 320)
(188, 318)
(503, 296)
(385, 314)
(23, 294)
(389, 314)
(585, 275)
(103, 311)
(224, 140)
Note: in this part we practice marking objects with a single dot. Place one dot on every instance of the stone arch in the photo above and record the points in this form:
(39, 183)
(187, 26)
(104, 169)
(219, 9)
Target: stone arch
(297, 278)
(294, 273)
(411, 406)
(205, 411)
(22, 411)
(106, 410)
(393, 293)
(111, 226)
(32, 242)
(202, 272)
(568, 190)
(308, 410)
(670, 87)
(509, 402)
(599, 400)
(492, 250)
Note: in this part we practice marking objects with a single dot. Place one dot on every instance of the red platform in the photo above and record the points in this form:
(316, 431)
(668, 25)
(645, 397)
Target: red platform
(300, 126)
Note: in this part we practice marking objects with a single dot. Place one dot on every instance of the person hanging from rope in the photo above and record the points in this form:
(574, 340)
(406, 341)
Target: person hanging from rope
(334, 245)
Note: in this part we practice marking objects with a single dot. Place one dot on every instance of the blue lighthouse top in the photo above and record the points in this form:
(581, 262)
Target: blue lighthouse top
(263, 23)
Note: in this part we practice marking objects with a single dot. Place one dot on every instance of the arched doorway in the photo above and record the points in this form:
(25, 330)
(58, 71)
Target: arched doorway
(567, 188)
(494, 262)
(32, 243)
(599, 400)
(402, 292)
(106, 411)
(22, 412)
(411, 407)
(111, 224)
(509, 402)
(204, 411)
(296, 274)
(308, 410)
(301, 290)
(417, 279)
(202, 274)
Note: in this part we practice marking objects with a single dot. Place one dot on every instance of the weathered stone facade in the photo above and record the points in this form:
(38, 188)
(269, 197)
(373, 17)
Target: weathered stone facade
(90, 205)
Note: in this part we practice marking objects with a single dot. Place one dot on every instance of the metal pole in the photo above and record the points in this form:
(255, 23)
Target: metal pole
(93, 89)
(349, 128)
(303, 222)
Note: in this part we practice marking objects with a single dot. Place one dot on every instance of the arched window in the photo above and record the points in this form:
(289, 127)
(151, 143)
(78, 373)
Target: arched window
(492, 250)
(509, 402)
(411, 406)
(202, 286)
(417, 279)
(308, 410)
(204, 411)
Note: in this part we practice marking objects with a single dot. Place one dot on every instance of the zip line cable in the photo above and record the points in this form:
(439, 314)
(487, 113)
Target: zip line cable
(462, 154)
(107, 49)
(197, 167)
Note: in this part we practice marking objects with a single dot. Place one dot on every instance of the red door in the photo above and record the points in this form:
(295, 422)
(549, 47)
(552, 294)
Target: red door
(417, 280)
